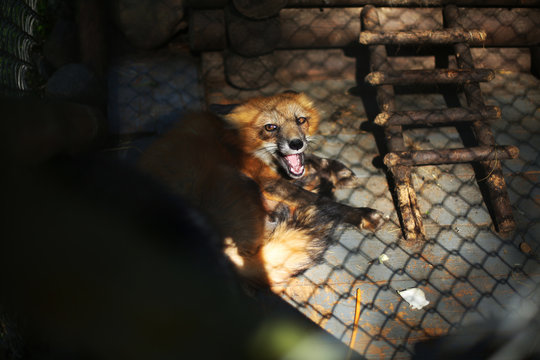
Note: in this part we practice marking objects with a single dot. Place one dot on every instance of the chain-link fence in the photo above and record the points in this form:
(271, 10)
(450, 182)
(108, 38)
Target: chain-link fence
(148, 93)
(468, 272)
(18, 26)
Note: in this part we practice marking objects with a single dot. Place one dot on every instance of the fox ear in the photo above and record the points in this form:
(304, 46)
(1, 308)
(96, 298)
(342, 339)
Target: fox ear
(222, 110)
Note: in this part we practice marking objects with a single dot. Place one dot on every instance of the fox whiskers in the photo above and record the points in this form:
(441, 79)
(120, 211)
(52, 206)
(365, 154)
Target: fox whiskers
(267, 149)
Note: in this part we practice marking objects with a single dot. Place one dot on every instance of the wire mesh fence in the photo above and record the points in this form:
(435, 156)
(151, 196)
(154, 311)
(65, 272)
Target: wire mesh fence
(149, 93)
(468, 272)
(18, 26)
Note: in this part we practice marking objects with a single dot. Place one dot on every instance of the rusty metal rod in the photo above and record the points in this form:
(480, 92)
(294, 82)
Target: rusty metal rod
(436, 76)
(439, 116)
(403, 191)
(492, 177)
(450, 156)
(422, 37)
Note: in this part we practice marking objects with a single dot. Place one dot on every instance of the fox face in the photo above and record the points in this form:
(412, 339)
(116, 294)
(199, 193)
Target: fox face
(277, 130)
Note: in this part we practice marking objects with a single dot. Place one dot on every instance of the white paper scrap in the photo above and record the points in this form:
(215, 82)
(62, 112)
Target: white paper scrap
(415, 297)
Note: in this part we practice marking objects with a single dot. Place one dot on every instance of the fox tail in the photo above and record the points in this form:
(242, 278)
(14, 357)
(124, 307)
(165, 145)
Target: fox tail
(295, 244)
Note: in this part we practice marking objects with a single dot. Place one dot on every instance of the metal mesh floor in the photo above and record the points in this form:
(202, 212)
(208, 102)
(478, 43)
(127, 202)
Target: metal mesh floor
(468, 272)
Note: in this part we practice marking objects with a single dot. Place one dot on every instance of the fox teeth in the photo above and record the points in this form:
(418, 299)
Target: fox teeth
(295, 163)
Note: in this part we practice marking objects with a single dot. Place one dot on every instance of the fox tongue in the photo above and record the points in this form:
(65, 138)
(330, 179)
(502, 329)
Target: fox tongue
(295, 163)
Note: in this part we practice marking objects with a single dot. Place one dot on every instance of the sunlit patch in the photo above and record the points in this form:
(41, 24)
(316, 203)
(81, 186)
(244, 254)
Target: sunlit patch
(231, 251)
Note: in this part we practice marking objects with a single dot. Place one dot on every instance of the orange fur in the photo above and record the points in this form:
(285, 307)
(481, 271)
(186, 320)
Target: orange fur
(195, 161)
(250, 117)
(233, 171)
(282, 255)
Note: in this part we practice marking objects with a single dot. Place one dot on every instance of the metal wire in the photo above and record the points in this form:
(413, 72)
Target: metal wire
(468, 272)
(18, 23)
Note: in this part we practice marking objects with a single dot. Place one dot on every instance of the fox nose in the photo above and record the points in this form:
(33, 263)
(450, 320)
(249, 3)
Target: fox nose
(296, 144)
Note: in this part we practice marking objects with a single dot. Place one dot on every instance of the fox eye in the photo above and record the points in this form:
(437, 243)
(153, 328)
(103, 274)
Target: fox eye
(270, 127)
(301, 120)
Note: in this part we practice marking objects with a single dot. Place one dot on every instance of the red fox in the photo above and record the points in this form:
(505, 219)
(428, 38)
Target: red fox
(248, 170)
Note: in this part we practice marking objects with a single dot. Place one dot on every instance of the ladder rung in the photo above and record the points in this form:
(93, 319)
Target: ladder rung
(439, 116)
(422, 37)
(436, 76)
(450, 156)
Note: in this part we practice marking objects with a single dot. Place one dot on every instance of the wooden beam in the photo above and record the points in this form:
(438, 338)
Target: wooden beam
(420, 37)
(436, 76)
(439, 116)
(450, 156)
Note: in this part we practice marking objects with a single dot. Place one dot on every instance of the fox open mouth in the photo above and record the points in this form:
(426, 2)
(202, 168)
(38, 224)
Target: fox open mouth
(294, 164)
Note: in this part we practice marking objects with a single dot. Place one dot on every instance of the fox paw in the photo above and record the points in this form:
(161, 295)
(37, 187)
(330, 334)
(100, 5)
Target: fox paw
(371, 219)
(341, 176)
(346, 179)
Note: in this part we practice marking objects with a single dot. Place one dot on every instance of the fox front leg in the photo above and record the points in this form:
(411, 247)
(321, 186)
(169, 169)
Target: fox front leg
(364, 218)
(294, 197)
(326, 175)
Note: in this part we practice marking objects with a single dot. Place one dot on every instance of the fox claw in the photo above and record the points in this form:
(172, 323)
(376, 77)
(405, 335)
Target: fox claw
(346, 179)
(371, 219)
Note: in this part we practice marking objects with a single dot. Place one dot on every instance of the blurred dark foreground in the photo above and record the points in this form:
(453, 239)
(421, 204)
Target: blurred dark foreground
(99, 262)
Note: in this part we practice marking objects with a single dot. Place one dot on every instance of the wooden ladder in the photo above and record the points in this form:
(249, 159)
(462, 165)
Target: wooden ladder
(398, 159)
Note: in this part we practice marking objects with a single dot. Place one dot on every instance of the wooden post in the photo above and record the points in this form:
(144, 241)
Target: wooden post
(492, 176)
(405, 196)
